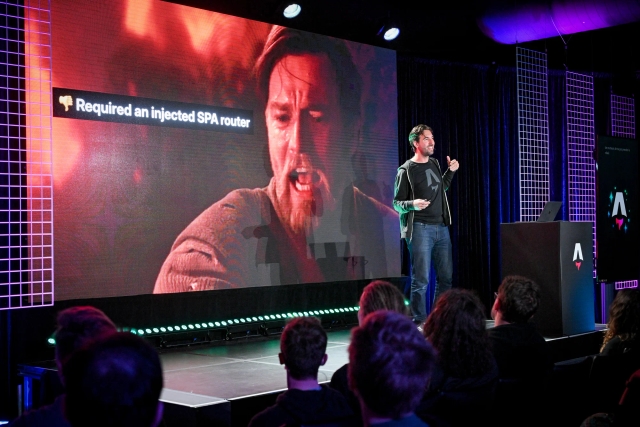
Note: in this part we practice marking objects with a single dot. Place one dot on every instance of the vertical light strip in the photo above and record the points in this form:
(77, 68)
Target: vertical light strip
(533, 132)
(623, 125)
(580, 146)
(26, 200)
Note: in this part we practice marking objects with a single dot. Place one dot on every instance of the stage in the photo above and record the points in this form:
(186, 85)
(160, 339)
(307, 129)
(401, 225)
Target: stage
(227, 383)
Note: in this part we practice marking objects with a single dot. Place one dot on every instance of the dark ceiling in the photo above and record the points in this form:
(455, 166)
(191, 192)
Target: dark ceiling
(444, 30)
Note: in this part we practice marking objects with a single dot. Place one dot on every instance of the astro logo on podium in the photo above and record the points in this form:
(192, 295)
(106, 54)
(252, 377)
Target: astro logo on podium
(577, 255)
(618, 210)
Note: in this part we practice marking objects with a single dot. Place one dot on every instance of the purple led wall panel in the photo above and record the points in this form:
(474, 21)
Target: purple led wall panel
(580, 146)
(26, 199)
(623, 124)
(533, 132)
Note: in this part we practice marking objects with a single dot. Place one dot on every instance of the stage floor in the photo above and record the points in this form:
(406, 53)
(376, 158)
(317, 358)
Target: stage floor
(250, 367)
(241, 368)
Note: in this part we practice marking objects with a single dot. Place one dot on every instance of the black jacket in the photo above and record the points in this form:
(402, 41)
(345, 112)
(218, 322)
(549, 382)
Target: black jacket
(457, 402)
(403, 196)
(520, 351)
(300, 407)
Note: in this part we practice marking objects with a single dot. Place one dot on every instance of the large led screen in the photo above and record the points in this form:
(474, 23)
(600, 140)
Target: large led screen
(199, 151)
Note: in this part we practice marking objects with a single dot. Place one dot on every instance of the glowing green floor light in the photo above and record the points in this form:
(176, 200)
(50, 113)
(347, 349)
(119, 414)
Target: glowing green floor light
(163, 329)
(170, 328)
(190, 326)
(184, 327)
(156, 330)
(148, 330)
(51, 341)
(278, 316)
(134, 331)
(140, 332)
(210, 324)
(224, 323)
(217, 324)
(197, 325)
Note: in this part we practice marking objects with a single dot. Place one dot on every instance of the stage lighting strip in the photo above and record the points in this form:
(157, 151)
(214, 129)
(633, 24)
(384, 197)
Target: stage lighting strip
(26, 185)
(533, 132)
(580, 143)
(223, 324)
(623, 125)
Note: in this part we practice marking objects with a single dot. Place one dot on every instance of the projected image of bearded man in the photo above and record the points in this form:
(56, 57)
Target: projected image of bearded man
(303, 116)
(266, 236)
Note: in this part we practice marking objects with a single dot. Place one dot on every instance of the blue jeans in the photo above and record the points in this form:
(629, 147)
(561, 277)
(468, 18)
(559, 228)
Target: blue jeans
(429, 243)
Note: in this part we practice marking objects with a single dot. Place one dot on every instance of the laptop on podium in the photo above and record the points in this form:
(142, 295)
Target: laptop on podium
(549, 212)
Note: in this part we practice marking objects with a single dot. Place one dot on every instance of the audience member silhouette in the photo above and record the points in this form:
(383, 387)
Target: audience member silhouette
(462, 387)
(76, 327)
(303, 347)
(623, 327)
(619, 355)
(115, 381)
(377, 295)
(594, 383)
(627, 413)
(523, 357)
(389, 366)
(520, 351)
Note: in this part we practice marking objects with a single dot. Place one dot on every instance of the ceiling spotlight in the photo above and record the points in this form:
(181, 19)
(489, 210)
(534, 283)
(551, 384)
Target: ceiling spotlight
(292, 10)
(391, 33)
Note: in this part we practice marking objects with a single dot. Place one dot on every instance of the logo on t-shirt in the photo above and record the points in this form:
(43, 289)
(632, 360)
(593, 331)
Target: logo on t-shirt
(431, 176)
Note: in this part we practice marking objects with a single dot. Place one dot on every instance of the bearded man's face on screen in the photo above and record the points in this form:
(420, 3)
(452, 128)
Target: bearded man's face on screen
(304, 128)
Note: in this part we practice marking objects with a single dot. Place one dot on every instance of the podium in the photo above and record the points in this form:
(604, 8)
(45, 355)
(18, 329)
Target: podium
(558, 256)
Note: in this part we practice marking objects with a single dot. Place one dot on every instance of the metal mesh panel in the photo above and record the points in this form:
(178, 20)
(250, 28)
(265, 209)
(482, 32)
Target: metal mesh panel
(623, 124)
(533, 132)
(580, 146)
(26, 199)
(623, 117)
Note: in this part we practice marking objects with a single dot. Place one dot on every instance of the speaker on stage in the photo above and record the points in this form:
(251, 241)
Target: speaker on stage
(557, 255)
